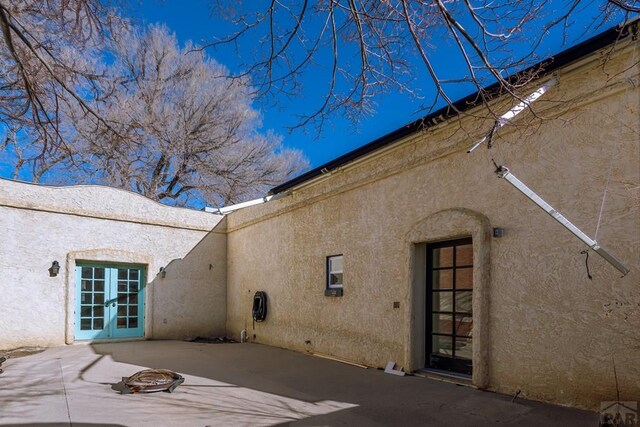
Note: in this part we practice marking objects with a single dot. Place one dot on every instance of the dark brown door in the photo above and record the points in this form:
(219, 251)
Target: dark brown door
(449, 305)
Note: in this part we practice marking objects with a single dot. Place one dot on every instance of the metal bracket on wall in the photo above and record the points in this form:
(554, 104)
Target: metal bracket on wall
(503, 172)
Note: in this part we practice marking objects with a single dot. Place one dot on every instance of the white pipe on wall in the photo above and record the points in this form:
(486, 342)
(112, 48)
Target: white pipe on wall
(509, 115)
(503, 172)
(228, 209)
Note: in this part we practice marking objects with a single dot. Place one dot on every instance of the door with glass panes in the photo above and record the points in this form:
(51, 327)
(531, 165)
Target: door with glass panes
(109, 301)
(449, 306)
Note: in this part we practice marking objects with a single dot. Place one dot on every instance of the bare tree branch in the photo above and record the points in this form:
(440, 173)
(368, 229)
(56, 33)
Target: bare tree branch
(185, 133)
(377, 41)
(49, 58)
(626, 6)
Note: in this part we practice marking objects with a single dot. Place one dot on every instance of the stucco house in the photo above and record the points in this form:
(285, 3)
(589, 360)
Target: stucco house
(408, 249)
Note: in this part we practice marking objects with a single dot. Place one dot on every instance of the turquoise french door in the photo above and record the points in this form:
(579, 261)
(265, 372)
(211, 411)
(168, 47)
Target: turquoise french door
(109, 301)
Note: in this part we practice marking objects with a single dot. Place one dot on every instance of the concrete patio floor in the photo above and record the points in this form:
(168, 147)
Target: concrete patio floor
(244, 384)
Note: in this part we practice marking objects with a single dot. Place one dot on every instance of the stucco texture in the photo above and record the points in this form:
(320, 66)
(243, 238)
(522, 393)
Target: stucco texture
(540, 325)
(90, 223)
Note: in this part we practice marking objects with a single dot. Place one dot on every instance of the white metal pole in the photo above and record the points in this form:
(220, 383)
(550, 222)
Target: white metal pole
(520, 107)
(503, 172)
(228, 209)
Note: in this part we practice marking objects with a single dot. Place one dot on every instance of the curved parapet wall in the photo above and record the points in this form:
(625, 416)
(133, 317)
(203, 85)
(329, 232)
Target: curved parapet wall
(97, 201)
(95, 224)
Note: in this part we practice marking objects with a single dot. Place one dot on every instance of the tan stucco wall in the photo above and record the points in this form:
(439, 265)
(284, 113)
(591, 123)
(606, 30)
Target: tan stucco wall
(544, 327)
(191, 299)
(41, 224)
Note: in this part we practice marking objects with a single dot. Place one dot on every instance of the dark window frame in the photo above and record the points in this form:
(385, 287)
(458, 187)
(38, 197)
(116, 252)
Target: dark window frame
(462, 366)
(333, 290)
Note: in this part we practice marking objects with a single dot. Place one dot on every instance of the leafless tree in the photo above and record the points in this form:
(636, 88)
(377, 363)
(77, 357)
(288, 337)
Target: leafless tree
(84, 98)
(64, 102)
(175, 129)
(368, 47)
(50, 57)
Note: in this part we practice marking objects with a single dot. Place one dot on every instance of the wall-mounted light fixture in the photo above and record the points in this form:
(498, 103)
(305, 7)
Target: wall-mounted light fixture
(498, 232)
(54, 269)
(163, 272)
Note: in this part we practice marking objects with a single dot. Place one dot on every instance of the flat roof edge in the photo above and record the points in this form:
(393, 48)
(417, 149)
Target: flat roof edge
(542, 69)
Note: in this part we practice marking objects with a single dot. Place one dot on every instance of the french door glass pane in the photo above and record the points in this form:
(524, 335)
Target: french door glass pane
(463, 348)
(98, 298)
(463, 301)
(87, 273)
(442, 257)
(464, 255)
(98, 311)
(464, 278)
(442, 324)
(464, 325)
(442, 279)
(98, 286)
(442, 301)
(442, 345)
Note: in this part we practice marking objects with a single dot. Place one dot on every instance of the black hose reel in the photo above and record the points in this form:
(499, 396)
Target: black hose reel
(259, 310)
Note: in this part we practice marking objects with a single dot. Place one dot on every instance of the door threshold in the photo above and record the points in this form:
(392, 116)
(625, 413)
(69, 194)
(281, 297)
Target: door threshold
(446, 376)
(106, 340)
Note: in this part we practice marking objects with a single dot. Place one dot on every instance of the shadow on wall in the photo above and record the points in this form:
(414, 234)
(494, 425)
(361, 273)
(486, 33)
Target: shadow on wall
(188, 295)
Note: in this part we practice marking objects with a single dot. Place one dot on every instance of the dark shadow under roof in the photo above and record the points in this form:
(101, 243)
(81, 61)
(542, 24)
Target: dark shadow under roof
(541, 69)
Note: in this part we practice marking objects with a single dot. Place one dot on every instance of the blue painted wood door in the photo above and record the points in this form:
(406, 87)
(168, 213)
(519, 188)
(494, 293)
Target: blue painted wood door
(109, 301)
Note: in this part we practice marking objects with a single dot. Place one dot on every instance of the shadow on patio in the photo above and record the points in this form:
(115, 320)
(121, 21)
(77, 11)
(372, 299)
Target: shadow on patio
(244, 384)
(374, 398)
(74, 385)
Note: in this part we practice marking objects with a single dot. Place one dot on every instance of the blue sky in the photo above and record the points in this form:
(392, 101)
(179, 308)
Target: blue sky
(195, 22)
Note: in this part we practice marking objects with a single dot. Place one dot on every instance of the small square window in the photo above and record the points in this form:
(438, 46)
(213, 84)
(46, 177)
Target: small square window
(334, 275)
